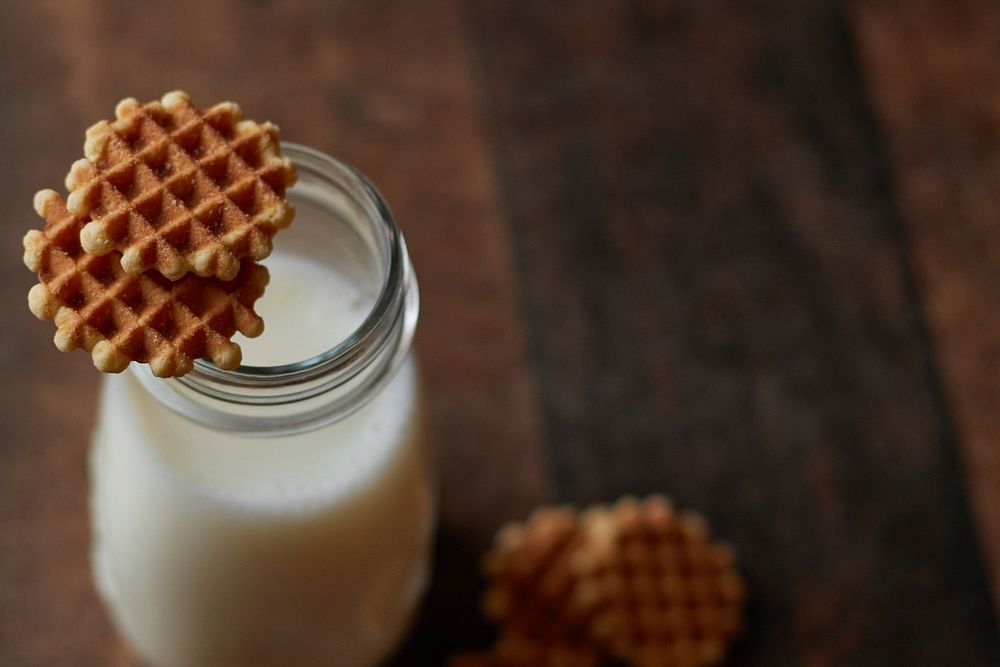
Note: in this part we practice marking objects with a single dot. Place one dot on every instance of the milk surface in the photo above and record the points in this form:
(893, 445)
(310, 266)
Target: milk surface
(306, 308)
(215, 549)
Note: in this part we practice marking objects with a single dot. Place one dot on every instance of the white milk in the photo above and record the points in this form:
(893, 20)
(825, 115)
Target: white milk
(213, 549)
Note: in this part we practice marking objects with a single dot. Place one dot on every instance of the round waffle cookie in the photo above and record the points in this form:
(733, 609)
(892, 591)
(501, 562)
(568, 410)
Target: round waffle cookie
(635, 582)
(122, 317)
(176, 189)
(531, 569)
(662, 595)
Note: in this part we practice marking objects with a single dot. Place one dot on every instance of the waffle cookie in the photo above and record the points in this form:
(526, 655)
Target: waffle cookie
(531, 567)
(122, 317)
(176, 189)
(662, 594)
(636, 582)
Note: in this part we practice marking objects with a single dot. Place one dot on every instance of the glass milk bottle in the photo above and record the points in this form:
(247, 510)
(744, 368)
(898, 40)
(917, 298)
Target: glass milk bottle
(280, 513)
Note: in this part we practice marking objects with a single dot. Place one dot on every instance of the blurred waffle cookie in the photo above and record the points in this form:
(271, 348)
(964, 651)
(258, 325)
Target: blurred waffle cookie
(531, 570)
(176, 189)
(662, 594)
(634, 582)
(122, 317)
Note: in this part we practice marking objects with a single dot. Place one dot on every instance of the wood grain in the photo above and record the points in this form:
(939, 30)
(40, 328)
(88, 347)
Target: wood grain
(721, 308)
(659, 248)
(934, 73)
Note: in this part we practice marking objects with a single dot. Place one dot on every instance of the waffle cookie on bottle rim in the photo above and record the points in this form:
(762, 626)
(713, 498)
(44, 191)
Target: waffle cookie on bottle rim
(121, 317)
(176, 189)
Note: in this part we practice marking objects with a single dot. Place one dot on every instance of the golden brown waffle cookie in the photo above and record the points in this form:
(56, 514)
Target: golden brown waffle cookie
(531, 594)
(635, 582)
(121, 317)
(177, 189)
(662, 595)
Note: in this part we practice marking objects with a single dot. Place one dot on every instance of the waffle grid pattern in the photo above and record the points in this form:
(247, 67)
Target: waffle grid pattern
(635, 582)
(662, 595)
(121, 317)
(178, 190)
(531, 596)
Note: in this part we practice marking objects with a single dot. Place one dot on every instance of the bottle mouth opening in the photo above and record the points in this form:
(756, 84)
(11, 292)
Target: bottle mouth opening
(354, 365)
(365, 197)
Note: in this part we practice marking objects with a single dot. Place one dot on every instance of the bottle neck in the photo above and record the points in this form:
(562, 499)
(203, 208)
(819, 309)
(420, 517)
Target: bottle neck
(344, 223)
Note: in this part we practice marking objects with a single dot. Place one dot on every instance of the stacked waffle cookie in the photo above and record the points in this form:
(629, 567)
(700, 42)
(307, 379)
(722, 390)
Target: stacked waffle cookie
(636, 582)
(532, 569)
(152, 257)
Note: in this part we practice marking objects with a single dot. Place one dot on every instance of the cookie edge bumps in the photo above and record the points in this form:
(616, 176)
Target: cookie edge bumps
(84, 182)
(46, 306)
(105, 355)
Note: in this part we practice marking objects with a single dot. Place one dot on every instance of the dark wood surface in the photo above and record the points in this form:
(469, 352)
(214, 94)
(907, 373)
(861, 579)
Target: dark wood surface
(744, 253)
(934, 75)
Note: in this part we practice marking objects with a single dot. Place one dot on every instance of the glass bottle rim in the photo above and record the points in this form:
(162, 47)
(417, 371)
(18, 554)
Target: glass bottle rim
(347, 350)
(356, 366)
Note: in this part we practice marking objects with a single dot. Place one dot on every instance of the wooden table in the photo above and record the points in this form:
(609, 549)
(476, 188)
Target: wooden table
(744, 253)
